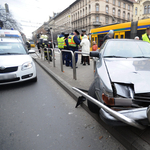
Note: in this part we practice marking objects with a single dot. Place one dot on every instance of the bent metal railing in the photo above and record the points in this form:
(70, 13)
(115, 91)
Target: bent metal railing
(115, 114)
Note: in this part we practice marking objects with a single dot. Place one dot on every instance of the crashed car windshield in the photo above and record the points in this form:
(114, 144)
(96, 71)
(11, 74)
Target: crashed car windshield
(127, 49)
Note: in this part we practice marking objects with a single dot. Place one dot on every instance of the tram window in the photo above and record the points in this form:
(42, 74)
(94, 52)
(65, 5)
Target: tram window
(116, 36)
(100, 39)
(127, 34)
(140, 33)
(121, 36)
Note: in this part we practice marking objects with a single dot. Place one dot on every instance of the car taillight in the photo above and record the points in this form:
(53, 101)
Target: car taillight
(107, 100)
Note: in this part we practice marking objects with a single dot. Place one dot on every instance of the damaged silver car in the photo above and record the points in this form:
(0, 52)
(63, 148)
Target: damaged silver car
(120, 92)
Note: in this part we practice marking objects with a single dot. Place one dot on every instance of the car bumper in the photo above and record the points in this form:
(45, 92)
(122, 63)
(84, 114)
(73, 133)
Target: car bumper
(139, 115)
(18, 76)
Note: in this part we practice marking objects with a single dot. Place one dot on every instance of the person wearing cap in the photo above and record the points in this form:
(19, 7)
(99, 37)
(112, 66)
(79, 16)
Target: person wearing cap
(146, 36)
(74, 42)
(136, 38)
(66, 47)
(108, 36)
(60, 41)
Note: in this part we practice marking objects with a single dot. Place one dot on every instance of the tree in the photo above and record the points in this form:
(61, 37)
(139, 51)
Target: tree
(8, 20)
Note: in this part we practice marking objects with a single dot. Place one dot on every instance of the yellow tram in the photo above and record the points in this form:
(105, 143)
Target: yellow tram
(126, 30)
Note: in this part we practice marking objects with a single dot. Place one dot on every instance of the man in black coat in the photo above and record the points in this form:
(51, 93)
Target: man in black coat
(108, 36)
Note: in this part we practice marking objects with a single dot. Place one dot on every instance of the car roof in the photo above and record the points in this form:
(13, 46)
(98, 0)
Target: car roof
(12, 40)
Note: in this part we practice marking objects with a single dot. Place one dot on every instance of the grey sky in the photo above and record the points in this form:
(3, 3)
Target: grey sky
(34, 12)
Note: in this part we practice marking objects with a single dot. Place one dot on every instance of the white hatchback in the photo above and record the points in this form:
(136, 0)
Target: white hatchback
(16, 65)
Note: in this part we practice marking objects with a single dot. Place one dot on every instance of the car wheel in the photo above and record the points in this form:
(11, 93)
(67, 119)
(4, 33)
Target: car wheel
(92, 107)
(34, 79)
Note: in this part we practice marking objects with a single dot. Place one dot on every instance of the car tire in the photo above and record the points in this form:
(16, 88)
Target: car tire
(92, 107)
(34, 79)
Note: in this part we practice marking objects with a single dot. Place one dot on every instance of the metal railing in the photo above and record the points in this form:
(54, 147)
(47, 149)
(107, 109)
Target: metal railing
(115, 114)
(61, 60)
(77, 52)
(73, 61)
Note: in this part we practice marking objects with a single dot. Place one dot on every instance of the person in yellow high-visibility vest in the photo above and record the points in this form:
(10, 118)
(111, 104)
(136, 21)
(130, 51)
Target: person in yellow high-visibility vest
(61, 42)
(146, 36)
(74, 42)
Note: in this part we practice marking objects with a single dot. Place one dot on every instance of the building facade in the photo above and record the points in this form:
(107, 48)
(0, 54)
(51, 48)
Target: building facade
(89, 14)
(141, 10)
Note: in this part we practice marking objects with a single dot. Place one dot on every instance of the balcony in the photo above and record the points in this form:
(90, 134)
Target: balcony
(96, 23)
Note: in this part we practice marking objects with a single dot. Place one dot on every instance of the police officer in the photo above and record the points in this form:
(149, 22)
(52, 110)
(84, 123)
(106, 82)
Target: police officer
(60, 41)
(66, 47)
(74, 42)
(146, 36)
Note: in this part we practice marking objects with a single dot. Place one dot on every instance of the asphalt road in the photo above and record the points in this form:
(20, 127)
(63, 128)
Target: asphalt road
(42, 116)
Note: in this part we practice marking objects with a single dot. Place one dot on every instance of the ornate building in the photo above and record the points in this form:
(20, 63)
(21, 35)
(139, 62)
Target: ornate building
(141, 10)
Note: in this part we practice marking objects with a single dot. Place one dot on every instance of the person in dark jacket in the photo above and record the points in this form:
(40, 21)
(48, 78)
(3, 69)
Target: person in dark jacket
(74, 42)
(108, 36)
(66, 47)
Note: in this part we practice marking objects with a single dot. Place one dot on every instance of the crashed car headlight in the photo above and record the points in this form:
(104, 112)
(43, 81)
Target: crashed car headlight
(26, 66)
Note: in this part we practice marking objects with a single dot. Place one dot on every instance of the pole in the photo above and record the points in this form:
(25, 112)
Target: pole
(53, 47)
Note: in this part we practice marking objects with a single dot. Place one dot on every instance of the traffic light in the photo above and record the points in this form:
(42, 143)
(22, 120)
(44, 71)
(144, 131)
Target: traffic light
(48, 31)
(1, 24)
(38, 36)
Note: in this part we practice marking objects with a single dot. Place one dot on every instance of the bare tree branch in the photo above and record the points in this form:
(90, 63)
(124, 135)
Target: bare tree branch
(9, 21)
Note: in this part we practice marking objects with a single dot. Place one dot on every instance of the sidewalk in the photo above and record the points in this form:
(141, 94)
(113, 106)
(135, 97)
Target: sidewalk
(130, 137)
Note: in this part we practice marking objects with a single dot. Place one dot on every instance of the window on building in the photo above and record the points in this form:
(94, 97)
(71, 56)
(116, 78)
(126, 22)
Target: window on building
(128, 16)
(97, 7)
(107, 20)
(89, 8)
(128, 7)
(107, 9)
(114, 11)
(119, 13)
(124, 15)
(124, 5)
(118, 20)
(97, 18)
(119, 3)
(86, 10)
(89, 20)
(136, 11)
(78, 14)
(114, 2)
(145, 9)
(149, 9)
(107, 0)
(83, 12)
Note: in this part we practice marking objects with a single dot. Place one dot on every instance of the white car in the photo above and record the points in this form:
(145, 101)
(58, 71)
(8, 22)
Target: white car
(16, 65)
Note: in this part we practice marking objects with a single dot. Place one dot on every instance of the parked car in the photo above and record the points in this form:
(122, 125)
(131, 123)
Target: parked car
(122, 80)
(16, 65)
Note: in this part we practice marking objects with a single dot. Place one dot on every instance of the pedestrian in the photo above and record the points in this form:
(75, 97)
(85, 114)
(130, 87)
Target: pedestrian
(80, 38)
(60, 41)
(85, 43)
(74, 42)
(38, 46)
(136, 38)
(146, 36)
(94, 47)
(108, 36)
(66, 47)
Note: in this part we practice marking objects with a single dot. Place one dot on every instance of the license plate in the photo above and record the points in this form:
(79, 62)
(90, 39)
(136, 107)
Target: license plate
(6, 77)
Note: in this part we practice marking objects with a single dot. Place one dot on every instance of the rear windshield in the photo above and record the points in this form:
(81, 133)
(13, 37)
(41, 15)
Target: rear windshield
(127, 49)
(7, 48)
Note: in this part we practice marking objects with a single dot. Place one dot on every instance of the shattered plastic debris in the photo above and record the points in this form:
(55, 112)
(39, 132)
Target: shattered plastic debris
(100, 137)
(70, 113)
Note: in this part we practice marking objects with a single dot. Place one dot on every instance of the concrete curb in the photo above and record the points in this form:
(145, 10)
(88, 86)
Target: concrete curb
(124, 135)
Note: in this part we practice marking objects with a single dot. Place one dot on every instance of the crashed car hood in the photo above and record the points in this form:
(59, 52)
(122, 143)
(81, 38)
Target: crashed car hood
(130, 71)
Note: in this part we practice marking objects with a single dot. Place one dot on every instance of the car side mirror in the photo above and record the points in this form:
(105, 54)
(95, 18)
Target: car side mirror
(31, 51)
(95, 54)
